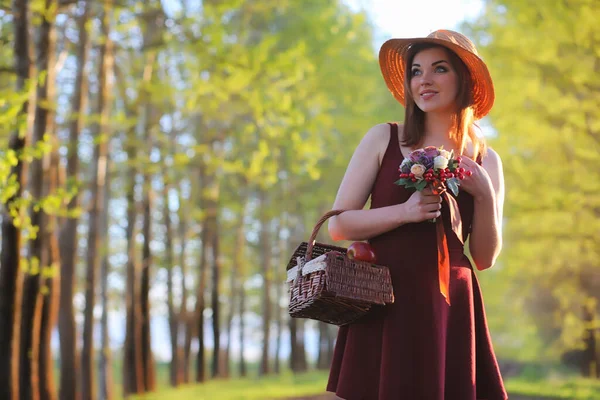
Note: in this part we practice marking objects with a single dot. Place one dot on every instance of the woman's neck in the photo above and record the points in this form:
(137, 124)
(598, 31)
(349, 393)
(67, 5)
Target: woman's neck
(438, 127)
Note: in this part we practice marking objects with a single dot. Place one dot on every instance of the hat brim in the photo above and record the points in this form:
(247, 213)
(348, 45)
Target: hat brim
(392, 63)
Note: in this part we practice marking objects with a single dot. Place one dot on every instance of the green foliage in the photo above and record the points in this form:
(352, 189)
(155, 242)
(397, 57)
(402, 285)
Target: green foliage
(549, 138)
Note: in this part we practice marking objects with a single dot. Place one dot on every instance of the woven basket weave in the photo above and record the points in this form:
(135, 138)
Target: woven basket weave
(326, 285)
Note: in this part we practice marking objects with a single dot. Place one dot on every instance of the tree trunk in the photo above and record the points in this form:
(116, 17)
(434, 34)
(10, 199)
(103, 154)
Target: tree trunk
(200, 357)
(183, 319)
(68, 235)
(51, 286)
(133, 382)
(265, 240)
(200, 304)
(174, 369)
(279, 275)
(190, 333)
(242, 310)
(105, 81)
(239, 259)
(105, 377)
(293, 326)
(11, 276)
(140, 377)
(152, 20)
(96, 240)
(216, 370)
(206, 238)
(590, 360)
(231, 312)
(147, 359)
(298, 355)
(33, 299)
(302, 361)
(322, 358)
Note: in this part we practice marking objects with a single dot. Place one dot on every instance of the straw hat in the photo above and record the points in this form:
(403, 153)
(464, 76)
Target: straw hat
(392, 62)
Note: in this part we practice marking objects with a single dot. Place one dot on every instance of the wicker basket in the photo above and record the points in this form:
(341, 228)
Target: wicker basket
(326, 285)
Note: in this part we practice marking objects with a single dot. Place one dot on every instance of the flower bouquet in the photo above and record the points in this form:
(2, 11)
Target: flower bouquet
(433, 167)
(437, 168)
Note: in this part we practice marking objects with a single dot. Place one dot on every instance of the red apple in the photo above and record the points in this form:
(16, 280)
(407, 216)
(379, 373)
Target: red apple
(361, 251)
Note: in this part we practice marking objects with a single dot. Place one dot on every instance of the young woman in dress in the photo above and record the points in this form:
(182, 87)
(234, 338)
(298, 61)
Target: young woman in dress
(432, 343)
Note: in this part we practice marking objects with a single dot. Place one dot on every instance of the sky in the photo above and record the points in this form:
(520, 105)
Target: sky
(415, 18)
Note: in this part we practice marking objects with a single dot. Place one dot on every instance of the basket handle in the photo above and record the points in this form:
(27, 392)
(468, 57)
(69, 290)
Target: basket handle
(313, 235)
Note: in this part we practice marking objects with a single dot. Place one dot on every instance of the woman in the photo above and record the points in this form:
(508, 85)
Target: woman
(428, 345)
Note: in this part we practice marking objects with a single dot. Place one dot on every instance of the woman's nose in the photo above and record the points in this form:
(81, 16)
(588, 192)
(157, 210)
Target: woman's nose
(425, 78)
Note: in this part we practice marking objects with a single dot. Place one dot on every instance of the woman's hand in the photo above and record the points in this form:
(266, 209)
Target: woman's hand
(422, 206)
(479, 183)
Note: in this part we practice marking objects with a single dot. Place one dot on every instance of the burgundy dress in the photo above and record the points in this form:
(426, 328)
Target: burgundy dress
(418, 348)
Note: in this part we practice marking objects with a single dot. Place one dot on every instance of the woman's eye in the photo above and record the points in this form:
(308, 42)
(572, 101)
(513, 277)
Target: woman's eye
(415, 72)
(441, 69)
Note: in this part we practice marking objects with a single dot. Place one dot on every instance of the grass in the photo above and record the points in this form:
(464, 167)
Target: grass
(313, 383)
(555, 388)
(275, 387)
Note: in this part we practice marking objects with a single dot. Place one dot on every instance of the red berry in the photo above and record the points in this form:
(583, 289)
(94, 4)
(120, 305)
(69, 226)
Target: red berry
(458, 159)
(412, 175)
(461, 176)
(469, 173)
(414, 179)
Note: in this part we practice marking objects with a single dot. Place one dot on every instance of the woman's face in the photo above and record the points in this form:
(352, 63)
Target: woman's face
(434, 82)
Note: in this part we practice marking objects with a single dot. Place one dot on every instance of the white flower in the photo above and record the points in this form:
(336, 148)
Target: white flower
(418, 170)
(440, 162)
(445, 154)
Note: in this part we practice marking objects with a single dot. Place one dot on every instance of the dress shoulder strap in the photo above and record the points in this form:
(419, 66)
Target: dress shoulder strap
(394, 134)
(394, 143)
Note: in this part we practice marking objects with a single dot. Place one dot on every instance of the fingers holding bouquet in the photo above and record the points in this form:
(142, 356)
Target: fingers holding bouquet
(478, 180)
(423, 205)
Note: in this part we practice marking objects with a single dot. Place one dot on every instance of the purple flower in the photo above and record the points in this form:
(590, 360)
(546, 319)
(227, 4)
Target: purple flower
(424, 156)
(405, 166)
(416, 156)
(431, 152)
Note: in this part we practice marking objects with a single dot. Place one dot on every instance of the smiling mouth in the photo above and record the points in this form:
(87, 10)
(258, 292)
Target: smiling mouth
(427, 95)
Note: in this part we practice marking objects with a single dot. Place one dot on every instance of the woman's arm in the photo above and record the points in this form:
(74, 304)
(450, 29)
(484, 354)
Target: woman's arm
(359, 224)
(487, 187)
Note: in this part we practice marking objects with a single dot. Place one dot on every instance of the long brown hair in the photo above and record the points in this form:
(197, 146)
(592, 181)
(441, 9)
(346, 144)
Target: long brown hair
(464, 122)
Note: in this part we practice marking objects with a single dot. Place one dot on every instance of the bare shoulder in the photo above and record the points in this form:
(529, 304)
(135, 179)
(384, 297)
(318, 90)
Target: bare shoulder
(377, 139)
(493, 166)
(362, 169)
(492, 161)
(378, 133)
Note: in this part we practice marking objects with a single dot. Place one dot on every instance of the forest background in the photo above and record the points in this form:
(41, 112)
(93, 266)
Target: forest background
(163, 159)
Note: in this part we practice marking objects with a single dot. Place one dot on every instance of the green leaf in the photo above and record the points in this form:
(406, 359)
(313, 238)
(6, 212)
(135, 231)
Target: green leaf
(420, 185)
(453, 184)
